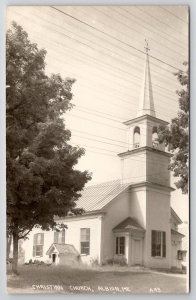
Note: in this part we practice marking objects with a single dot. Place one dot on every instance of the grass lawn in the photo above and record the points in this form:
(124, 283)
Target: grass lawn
(61, 279)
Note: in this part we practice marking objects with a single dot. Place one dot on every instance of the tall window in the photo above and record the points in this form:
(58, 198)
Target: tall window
(158, 243)
(120, 245)
(38, 243)
(136, 137)
(85, 240)
(59, 237)
(155, 142)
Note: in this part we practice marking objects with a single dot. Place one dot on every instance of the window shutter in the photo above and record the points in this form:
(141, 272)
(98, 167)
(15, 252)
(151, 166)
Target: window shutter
(41, 251)
(42, 238)
(63, 236)
(35, 239)
(164, 244)
(34, 251)
(55, 237)
(153, 243)
(88, 234)
(116, 245)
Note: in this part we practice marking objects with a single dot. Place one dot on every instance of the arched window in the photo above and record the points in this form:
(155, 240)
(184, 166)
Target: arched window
(136, 137)
(155, 142)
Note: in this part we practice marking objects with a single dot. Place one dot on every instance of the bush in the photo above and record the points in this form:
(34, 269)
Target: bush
(110, 261)
(94, 262)
(118, 260)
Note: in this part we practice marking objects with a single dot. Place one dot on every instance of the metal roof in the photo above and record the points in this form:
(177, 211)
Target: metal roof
(95, 197)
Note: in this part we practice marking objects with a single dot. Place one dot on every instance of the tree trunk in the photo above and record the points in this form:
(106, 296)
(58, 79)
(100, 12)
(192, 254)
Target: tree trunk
(15, 251)
(9, 242)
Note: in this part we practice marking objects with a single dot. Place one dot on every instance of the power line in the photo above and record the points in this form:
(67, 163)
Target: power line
(155, 85)
(128, 102)
(173, 14)
(105, 40)
(101, 112)
(114, 74)
(125, 150)
(158, 20)
(128, 80)
(178, 43)
(103, 142)
(132, 104)
(99, 136)
(115, 38)
(153, 161)
(134, 83)
(104, 124)
(104, 63)
(91, 112)
(107, 154)
(115, 120)
(111, 8)
(100, 116)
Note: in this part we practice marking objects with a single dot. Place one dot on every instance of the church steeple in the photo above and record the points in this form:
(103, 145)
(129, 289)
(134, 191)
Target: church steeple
(144, 157)
(146, 105)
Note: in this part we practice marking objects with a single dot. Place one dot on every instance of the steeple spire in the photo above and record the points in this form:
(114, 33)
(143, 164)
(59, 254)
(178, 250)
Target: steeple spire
(146, 105)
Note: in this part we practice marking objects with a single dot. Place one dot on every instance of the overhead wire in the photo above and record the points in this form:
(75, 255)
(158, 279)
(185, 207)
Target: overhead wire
(132, 104)
(158, 20)
(105, 124)
(159, 32)
(168, 11)
(133, 29)
(120, 41)
(96, 113)
(105, 63)
(170, 91)
(153, 161)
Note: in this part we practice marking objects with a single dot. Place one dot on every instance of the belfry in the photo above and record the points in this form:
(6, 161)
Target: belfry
(145, 159)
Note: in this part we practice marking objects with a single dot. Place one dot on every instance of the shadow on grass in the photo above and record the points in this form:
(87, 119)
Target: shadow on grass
(138, 282)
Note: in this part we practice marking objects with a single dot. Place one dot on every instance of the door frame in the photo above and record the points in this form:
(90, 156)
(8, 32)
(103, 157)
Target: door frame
(133, 250)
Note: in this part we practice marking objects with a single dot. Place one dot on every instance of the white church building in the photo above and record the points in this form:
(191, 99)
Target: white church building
(130, 218)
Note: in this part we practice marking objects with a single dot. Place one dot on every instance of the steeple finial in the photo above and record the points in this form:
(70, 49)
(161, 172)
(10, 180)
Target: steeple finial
(146, 47)
(146, 105)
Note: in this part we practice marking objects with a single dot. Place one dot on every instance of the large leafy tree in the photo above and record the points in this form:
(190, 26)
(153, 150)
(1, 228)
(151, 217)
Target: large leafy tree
(176, 135)
(42, 181)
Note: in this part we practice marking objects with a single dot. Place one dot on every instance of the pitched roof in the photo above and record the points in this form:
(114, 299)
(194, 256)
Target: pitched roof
(62, 249)
(175, 232)
(185, 231)
(146, 101)
(95, 197)
(128, 223)
(174, 214)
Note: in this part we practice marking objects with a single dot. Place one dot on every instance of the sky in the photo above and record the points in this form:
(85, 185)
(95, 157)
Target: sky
(102, 47)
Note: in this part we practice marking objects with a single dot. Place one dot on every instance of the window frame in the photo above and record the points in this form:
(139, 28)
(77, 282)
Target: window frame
(119, 245)
(158, 244)
(38, 244)
(59, 239)
(85, 241)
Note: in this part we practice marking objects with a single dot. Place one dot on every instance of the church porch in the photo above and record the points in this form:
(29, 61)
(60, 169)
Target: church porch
(129, 242)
